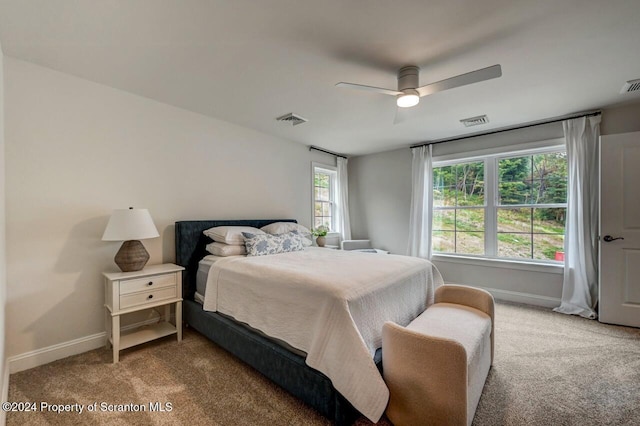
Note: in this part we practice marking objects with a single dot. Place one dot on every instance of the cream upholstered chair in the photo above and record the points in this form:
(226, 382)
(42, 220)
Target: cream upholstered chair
(360, 245)
(436, 367)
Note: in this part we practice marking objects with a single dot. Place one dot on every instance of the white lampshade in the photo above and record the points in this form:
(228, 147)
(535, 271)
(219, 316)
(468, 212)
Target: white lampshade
(130, 224)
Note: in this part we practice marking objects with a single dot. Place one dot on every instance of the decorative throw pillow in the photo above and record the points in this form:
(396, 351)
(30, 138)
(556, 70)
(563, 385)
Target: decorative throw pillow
(278, 228)
(230, 234)
(221, 249)
(263, 244)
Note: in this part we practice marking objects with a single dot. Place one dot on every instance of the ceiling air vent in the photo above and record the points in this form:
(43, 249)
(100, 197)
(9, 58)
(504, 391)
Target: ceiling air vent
(292, 118)
(475, 121)
(631, 86)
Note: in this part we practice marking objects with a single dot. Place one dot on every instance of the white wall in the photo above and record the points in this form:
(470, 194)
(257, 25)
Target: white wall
(380, 191)
(380, 198)
(3, 277)
(75, 150)
(621, 119)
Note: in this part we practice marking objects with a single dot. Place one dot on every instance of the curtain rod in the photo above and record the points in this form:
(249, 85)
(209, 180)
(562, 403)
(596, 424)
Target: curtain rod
(315, 148)
(507, 129)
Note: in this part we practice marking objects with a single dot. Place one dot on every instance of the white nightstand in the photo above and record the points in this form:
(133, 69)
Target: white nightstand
(127, 292)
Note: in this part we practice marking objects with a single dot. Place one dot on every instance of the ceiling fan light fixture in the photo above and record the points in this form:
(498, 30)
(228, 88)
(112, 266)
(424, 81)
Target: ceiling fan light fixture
(408, 98)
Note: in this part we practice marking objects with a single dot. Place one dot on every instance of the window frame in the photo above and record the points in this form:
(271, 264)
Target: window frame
(457, 207)
(491, 206)
(332, 172)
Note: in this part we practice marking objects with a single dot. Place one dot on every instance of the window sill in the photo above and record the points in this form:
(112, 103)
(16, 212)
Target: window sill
(548, 268)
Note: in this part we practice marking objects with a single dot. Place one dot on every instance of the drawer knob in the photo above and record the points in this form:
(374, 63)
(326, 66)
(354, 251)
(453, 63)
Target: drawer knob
(150, 283)
(150, 296)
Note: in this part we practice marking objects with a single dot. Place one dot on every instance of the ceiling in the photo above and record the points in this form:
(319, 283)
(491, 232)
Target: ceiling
(248, 61)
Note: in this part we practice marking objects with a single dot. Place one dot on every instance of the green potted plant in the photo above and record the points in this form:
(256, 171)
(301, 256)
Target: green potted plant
(320, 233)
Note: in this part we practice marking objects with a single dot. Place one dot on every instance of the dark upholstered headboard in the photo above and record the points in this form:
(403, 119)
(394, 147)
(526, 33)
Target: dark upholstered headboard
(191, 243)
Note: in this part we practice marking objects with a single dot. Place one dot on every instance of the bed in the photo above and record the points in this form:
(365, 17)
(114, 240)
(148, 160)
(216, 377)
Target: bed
(281, 363)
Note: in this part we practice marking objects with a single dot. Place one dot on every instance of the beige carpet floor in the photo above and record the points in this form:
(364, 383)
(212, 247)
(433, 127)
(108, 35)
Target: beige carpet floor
(550, 369)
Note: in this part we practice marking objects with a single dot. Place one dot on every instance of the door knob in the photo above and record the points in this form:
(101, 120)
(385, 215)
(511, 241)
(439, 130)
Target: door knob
(609, 238)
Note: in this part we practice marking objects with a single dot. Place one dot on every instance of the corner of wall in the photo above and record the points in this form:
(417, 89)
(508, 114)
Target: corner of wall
(5, 390)
(621, 119)
(4, 371)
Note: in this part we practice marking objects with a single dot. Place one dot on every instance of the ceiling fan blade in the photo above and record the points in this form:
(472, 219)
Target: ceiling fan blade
(369, 88)
(398, 118)
(401, 116)
(477, 76)
(404, 115)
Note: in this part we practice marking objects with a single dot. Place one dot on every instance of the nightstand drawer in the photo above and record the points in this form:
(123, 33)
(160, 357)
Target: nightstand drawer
(147, 283)
(152, 296)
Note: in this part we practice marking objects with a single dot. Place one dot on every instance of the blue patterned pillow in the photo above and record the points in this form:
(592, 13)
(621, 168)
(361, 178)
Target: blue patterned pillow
(263, 244)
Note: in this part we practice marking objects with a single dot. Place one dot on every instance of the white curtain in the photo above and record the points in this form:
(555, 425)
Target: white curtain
(344, 224)
(580, 286)
(421, 202)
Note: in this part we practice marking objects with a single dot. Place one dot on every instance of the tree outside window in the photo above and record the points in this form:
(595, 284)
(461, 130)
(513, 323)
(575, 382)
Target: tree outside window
(459, 209)
(532, 194)
(526, 220)
(324, 190)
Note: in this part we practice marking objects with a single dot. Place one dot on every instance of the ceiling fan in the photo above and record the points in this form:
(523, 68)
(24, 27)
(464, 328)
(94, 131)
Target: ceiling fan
(409, 94)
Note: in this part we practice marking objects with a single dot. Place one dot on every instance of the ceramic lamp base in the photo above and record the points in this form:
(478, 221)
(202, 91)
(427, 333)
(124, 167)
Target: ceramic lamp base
(132, 256)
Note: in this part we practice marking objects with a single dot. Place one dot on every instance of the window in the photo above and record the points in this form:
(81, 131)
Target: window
(459, 208)
(506, 206)
(324, 196)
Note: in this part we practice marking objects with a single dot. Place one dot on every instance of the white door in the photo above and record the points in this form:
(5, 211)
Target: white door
(620, 229)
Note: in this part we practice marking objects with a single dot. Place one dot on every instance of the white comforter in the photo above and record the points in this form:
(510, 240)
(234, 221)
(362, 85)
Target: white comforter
(330, 304)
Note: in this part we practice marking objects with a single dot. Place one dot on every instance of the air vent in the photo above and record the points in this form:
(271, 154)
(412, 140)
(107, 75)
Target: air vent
(631, 86)
(475, 121)
(292, 118)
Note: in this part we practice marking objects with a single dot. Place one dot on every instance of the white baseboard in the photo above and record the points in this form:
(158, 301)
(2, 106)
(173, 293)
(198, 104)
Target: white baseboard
(526, 298)
(52, 353)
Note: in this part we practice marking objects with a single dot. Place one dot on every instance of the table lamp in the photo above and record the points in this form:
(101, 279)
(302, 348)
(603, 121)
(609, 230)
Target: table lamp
(130, 225)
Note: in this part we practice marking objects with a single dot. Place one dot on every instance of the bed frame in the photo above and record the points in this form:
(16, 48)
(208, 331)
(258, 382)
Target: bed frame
(286, 369)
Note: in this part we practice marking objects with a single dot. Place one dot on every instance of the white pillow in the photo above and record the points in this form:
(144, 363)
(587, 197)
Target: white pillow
(221, 249)
(230, 234)
(278, 228)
